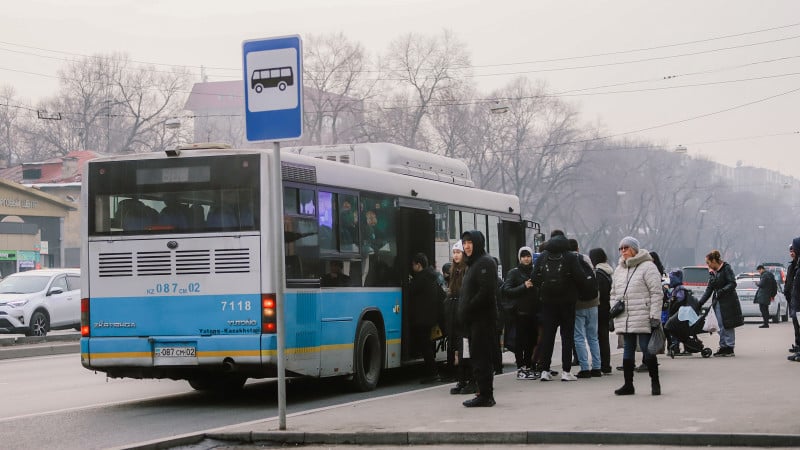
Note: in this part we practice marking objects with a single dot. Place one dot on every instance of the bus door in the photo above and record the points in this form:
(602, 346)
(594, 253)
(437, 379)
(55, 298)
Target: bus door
(512, 237)
(415, 234)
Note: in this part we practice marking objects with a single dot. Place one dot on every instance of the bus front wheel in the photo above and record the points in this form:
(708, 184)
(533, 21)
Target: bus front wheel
(367, 358)
(259, 88)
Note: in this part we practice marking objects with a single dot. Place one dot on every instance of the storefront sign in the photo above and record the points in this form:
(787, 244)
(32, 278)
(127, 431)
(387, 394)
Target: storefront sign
(18, 203)
(8, 255)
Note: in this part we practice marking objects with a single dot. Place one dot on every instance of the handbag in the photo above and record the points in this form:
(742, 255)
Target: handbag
(619, 307)
(711, 324)
(657, 341)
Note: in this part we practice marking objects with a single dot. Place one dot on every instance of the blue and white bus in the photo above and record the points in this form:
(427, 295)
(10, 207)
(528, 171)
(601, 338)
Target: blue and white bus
(178, 262)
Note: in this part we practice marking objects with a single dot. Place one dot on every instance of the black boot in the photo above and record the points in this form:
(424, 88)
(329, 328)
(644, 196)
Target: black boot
(652, 368)
(628, 366)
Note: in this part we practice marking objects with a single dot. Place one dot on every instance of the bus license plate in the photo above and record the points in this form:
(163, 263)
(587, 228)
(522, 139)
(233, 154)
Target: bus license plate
(174, 354)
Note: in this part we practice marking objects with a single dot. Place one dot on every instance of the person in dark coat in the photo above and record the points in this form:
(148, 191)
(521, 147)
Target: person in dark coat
(767, 289)
(455, 328)
(558, 311)
(794, 302)
(603, 273)
(725, 302)
(523, 304)
(423, 292)
(477, 309)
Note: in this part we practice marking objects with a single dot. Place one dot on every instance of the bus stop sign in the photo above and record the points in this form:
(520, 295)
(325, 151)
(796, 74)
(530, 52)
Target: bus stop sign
(273, 88)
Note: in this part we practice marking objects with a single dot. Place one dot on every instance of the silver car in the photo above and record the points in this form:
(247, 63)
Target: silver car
(746, 290)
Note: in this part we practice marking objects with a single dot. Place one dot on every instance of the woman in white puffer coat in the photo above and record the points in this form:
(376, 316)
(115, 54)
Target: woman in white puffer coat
(637, 282)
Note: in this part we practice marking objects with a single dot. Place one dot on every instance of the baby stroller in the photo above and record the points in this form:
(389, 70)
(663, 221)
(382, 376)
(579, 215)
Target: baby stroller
(681, 328)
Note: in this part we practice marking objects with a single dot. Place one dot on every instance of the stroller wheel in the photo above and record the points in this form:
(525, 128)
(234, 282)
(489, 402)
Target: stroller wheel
(706, 352)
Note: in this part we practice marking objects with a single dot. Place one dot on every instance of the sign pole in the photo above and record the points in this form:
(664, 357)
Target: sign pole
(280, 279)
(273, 107)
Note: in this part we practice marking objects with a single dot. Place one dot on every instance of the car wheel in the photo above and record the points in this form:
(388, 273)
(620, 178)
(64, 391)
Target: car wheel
(39, 324)
(367, 359)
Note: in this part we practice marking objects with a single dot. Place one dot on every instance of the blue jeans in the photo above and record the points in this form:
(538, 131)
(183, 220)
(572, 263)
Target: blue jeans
(630, 340)
(586, 331)
(727, 338)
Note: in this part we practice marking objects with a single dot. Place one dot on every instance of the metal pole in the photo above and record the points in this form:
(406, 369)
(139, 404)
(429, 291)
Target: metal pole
(280, 277)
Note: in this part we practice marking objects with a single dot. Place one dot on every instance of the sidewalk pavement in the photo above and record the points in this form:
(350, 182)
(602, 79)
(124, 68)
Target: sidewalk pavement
(747, 400)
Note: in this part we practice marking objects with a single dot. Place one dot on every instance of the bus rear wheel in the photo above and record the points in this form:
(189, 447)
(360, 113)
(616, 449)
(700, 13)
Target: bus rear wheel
(367, 359)
(217, 383)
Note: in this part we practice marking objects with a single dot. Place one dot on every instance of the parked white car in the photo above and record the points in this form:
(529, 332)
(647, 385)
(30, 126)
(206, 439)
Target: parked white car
(746, 290)
(37, 301)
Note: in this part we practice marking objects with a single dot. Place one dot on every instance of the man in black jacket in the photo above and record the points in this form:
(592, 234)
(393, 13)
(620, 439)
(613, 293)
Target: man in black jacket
(477, 310)
(423, 291)
(792, 302)
(767, 289)
(556, 275)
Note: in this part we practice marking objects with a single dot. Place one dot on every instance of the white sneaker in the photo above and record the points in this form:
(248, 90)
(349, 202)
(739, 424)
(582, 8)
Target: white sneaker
(566, 376)
(546, 376)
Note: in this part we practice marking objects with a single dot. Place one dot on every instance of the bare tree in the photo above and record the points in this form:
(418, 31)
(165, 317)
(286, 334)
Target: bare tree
(334, 70)
(10, 120)
(428, 67)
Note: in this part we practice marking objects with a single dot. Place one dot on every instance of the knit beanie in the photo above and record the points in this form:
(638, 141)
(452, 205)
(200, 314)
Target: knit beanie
(631, 242)
(520, 253)
(458, 246)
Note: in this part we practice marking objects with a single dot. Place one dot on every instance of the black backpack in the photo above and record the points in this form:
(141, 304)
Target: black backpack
(555, 275)
(587, 285)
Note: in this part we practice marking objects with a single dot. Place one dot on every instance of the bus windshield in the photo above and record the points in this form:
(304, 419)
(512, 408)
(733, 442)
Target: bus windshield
(190, 195)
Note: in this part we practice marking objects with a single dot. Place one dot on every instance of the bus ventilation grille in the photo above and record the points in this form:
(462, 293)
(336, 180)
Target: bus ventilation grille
(182, 262)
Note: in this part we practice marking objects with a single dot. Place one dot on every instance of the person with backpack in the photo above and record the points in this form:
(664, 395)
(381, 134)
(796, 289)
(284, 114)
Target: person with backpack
(766, 292)
(477, 310)
(424, 307)
(586, 310)
(520, 301)
(556, 276)
(603, 272)
(637, 283)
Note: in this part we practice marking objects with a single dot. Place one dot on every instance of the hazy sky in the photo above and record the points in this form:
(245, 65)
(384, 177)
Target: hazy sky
(735, 64)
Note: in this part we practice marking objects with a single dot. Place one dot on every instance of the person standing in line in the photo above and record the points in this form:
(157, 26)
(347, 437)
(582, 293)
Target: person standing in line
(724, 301)
(585, 333)
(794, 303)
(477, 309)
(603, 273)
(464, 382)
(423, 291)
(637, 283)
(555, 276)
(518, 290)
(766, 292)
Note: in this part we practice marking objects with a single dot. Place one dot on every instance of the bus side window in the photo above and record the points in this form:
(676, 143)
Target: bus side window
(348, 223)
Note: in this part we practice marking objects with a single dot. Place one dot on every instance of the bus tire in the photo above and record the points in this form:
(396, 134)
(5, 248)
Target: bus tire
(218, 383)
(367, 358)
(282, 85)
(259, 88)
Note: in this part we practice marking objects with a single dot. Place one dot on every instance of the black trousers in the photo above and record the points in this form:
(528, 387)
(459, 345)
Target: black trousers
(423, 343)
(764, 313)
(482, 348)
(557, 314)
(796, 330)
(526, 340)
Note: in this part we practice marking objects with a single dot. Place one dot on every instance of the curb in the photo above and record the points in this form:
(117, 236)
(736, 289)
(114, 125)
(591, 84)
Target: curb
(23, 347)
(513, 437)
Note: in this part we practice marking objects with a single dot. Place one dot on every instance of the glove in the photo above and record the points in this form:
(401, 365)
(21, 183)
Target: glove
(654, 323)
